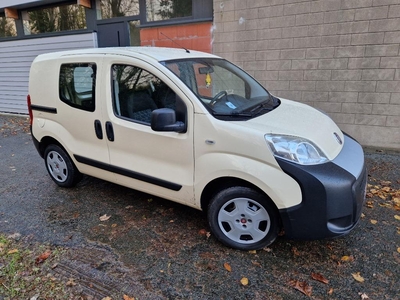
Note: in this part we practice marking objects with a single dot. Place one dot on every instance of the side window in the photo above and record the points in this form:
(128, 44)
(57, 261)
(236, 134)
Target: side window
(137, 93)
(77, 85)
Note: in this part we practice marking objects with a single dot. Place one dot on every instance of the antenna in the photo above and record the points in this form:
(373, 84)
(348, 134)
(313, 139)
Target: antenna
(187, 51)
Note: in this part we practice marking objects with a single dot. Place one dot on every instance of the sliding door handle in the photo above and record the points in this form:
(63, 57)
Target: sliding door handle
(110, 131)
(98, 130)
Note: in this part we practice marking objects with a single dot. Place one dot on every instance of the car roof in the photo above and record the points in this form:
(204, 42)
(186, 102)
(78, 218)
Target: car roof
(156, 53)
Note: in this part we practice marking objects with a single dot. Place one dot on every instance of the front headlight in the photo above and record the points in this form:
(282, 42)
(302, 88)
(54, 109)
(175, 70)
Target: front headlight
(295, 149)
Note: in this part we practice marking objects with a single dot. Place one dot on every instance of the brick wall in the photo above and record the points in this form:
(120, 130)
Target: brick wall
(195, 36)
(341, 56)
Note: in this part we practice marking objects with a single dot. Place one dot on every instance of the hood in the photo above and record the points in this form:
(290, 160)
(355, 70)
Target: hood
(297, 119)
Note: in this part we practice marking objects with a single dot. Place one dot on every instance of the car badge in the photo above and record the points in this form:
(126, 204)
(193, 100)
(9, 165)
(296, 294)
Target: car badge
(338, 139)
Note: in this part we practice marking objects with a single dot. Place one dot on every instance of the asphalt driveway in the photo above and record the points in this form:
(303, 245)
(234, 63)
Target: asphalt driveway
(120, 241)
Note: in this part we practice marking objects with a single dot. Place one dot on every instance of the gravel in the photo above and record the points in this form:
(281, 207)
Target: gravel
(152, 248)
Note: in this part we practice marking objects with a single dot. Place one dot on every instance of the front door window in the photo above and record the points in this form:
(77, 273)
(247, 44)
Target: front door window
(138, 92)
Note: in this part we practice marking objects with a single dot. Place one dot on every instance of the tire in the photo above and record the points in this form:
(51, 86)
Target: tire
(243, 219)
(60, 167)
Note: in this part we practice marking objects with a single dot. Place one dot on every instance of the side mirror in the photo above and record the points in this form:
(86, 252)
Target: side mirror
(164, 119)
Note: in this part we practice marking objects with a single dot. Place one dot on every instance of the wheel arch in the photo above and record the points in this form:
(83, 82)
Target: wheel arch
(219, 184)
(46, 141)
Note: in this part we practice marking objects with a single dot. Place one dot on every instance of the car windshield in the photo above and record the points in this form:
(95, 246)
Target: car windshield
(223, 88)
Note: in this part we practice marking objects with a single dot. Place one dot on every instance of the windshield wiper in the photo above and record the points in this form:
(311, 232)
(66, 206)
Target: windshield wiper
(232, 114)
(265, 106)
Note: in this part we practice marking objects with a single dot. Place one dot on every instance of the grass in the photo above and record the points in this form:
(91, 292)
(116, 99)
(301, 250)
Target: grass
(24, 276)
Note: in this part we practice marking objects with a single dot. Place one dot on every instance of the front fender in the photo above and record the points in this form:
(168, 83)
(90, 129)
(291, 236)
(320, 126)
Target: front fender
(283, 190)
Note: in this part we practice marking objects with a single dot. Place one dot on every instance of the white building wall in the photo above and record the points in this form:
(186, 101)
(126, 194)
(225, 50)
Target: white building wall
(15, 61)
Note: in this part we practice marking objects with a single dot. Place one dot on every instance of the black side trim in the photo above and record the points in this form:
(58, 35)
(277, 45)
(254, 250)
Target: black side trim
(47, 109)
(128, 173)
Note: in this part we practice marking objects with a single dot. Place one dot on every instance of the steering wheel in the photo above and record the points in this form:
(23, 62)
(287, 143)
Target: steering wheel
(218, 97)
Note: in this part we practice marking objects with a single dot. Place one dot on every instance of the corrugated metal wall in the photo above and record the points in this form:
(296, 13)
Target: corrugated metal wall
(15, 61)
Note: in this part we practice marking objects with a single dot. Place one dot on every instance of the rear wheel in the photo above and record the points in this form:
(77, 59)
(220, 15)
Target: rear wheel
(60, 167)
(242, 218)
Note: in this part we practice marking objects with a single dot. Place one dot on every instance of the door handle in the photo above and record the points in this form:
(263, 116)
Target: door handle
(110, 131)
(98, 130)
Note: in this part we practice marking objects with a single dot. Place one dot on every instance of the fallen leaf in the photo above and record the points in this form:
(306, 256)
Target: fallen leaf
(41, 258)
(128, 298)
(397, 217)
(347, 258)
(14, 236)
(207, 255)
(396, 257)
(202, 232)
(256, 263)
(104, 218)
(244, 281)
(227, 267)
(252, 251)
(210, 266)
(301, 286)
(12, 251)
(330, 292)
(374, 222)
(107, 298)
(358, 277)
(70, 282)
(114, 225)
(319, 277)
(398, 249)
(295, 251)
(363, 296)
(68, 238)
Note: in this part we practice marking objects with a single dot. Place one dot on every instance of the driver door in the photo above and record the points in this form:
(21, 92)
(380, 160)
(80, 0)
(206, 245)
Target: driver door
(159, 163)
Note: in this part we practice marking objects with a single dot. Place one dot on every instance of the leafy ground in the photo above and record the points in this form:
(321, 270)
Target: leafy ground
(26, 272)
(102, 241)
(25, 269)
(14, 125)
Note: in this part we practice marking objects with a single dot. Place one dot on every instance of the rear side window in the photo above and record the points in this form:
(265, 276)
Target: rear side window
(77, 85)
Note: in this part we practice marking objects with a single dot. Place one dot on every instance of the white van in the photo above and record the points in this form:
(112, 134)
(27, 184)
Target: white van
(194, 128)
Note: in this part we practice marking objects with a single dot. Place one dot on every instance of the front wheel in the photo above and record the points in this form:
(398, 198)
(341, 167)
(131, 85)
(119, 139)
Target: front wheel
(60, 167)
(242, 218)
